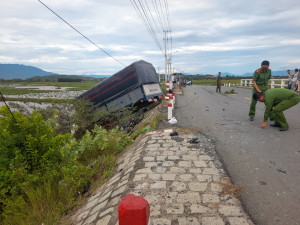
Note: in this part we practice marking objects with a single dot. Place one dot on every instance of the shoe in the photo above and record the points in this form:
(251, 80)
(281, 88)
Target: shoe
(275, 125)
(251, 118)
(284, 128)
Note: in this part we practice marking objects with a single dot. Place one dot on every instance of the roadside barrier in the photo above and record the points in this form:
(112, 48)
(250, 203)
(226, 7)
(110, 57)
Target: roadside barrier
(134, 210)
(170, 111)
(281, 84)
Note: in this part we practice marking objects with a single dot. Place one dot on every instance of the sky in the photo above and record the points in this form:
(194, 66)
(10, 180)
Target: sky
(207, 36)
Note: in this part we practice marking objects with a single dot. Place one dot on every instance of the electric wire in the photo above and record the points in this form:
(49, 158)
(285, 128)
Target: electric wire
(150, 24)
(134, 4)
(81, 33)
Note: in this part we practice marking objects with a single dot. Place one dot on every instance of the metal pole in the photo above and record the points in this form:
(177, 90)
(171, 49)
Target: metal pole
(165, 41)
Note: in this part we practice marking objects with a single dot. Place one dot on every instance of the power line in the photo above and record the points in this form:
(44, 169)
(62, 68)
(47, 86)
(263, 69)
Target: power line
(81, 33)
(149, 22)
(158, 14)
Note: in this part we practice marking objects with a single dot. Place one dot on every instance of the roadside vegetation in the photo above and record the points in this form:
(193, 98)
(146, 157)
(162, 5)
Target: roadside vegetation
(50, 158)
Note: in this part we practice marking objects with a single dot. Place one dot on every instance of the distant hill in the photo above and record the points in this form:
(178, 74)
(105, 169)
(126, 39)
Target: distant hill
(274, 73)
(17, 71)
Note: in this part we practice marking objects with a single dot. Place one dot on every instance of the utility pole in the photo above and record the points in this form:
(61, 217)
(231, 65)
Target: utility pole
(158, 68)
(166, 59)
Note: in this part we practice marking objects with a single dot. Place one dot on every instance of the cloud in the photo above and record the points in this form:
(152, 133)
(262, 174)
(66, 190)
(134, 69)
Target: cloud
(210, 36)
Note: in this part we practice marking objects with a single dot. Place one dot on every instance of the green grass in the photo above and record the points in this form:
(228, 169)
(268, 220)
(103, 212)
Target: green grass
(214, 82)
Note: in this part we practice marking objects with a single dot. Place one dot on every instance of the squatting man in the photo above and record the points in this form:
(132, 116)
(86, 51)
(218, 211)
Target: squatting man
(277, 100)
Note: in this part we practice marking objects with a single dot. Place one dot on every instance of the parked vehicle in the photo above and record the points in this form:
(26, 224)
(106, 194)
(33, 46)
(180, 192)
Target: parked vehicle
(136, 83)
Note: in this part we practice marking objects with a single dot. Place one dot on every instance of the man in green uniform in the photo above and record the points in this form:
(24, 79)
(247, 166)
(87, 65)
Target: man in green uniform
(218, 82)
(260, 84)
(281, 99)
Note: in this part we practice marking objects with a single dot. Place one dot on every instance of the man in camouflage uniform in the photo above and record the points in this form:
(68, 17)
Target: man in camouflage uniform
(260, 84)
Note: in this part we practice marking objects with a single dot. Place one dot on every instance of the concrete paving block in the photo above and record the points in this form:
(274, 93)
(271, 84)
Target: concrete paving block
(82, 215)
(200, 164)
(238, 221)
(167, 153)
(161, 221)
(188, 221)
(212, 221)
(168, 163)
(144, 170)
(169, 177)
(91, 203)
(177, 170)
(186, 164)
(154, 176)
(99, 207)
(195, 170)
(228, 210)
(196, 186)
(155, 210)
(104, 221)
(170, 197)
(149, 159)
(186, 177)
(215, 187)
(150, 164)
(91, 219)
(160, 169)
(158, 185)
(173, 157)
(210, 198)
(200, 209)
(122, 183)
(188, 157)
(174, 208)
(110, 210)
(161, 158)
(210, 171)
(120, 190)
(139, 177)
(190, 197)
(178, 186)
(104, 197)
(204, 178)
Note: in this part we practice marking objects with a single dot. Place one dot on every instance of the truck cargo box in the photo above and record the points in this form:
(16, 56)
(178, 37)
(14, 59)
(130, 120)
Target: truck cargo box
(138, 81)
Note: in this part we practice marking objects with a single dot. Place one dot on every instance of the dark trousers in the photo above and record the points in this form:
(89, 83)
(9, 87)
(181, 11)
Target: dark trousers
(218, 88)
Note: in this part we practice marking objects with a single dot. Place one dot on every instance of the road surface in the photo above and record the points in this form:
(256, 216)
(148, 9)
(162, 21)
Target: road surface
(265, 162)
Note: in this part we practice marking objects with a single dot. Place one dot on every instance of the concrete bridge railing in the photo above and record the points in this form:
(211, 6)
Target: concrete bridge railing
(273, 83)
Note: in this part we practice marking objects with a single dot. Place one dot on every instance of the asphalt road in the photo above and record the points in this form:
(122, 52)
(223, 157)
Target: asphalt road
(265, 162)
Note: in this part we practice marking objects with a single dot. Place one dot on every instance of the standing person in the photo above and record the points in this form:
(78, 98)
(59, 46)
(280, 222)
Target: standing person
(281, 99)
(219, 82)
(294, 80)
(260, 83)
(290, 77)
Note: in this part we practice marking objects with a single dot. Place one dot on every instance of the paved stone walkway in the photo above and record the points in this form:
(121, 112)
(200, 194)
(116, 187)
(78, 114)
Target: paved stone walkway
(184, 184)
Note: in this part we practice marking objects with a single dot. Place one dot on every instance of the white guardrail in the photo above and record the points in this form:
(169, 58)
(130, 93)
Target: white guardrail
(282, 83)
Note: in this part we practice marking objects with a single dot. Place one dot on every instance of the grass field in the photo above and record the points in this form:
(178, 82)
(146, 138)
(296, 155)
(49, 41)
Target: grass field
(77, 86)
(214, 82)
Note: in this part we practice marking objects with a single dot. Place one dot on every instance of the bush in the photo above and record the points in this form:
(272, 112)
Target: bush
(42, 173)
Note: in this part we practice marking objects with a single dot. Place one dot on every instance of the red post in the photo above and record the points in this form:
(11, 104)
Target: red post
(133, 210)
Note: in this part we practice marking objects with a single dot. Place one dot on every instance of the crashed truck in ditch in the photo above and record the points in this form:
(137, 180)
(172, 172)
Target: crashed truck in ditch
(136, 83)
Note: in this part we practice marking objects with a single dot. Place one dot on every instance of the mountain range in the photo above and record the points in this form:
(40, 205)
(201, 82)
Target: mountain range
(18, 71)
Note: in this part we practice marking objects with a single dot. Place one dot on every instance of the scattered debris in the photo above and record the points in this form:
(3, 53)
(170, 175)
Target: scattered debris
(281, 170)
(262, 183)
(173, 121)
(175, 133)
(193, 140)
